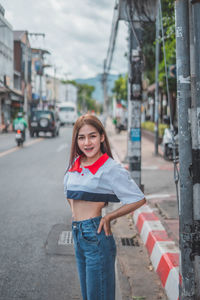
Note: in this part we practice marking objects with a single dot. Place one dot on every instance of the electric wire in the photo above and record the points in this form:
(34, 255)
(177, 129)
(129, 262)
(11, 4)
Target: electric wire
(112, 42)
(132, 26)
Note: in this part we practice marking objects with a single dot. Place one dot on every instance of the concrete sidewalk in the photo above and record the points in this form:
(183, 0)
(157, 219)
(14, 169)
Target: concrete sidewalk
(157, 222)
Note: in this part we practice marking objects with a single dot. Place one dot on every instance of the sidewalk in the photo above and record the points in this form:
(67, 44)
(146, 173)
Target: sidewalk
(157, 222)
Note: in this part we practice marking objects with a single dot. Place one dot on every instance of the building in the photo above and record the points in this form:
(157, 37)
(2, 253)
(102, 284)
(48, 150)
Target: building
(22, 65)
(6, 69)
(67, 92)
(52, 88)
(39, 93)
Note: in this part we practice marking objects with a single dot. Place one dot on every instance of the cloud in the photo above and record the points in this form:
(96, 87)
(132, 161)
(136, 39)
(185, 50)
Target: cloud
(77, 32)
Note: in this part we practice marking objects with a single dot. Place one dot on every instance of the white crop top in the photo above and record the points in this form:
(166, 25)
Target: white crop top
(104, 181)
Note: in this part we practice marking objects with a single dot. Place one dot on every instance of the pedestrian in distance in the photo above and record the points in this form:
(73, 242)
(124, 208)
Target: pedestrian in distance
(94, 179)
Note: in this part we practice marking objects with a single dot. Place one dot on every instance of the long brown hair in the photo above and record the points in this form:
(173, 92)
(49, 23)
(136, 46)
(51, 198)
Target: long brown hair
(95, 122)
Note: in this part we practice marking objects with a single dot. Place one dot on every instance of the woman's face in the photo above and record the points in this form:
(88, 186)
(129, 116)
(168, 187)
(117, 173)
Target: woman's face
(89, 142)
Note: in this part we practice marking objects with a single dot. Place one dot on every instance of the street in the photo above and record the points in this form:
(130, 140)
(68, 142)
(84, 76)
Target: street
(36, 261)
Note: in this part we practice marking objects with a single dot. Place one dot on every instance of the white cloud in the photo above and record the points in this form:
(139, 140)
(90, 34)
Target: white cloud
(77, 32)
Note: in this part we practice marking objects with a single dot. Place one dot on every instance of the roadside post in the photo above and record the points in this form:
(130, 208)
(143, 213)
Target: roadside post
(135, 12)
(134, 106)
(186, 228)
(194, 9)
(157, 83)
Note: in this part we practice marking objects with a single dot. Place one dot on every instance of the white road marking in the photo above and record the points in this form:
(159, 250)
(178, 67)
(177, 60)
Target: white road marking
(61, 147)
(18, 148)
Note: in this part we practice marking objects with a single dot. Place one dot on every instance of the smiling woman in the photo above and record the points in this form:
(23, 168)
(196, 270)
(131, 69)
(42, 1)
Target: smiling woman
(93, 179)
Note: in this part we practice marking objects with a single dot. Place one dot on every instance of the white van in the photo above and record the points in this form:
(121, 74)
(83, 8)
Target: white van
(67, 112)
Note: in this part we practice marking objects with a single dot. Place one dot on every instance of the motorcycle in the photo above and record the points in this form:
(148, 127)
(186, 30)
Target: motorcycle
(168, 145)
(19, 137)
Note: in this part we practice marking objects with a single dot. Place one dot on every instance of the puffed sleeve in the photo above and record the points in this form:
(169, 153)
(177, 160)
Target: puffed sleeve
(124, 187)
(65, 183)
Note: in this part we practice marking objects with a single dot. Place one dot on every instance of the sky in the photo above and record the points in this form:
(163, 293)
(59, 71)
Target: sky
(76, 33)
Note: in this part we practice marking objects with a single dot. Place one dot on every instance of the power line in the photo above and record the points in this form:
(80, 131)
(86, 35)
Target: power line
(112, 40)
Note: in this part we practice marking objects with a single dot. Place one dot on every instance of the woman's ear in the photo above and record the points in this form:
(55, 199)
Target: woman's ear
(102, 138)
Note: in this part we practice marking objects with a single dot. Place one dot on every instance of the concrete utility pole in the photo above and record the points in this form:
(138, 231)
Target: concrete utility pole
(41, 75)
(195, 129)
(54, 87)
(134, 103)
(187, 288)
(105, 94)
(157, 82)
(37, 34)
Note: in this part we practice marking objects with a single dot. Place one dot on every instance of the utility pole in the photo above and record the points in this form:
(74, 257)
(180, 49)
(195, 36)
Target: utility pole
(26, 56)
(194, 9)
(187, 288)
(54, 87)
(104, 84)
(41, 74)
(37, 34)
(157, 82)
(134, 101)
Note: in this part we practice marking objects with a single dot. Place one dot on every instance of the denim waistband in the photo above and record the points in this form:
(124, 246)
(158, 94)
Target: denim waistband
(92, 221)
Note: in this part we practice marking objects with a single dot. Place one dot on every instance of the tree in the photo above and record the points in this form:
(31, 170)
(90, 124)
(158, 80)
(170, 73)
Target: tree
(120, 88)
(85, 100)
(148, 47)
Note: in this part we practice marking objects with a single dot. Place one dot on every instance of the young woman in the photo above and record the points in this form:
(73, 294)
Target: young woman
(94, 179)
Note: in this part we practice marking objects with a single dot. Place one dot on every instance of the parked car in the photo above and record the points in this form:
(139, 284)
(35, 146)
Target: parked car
(44, 121)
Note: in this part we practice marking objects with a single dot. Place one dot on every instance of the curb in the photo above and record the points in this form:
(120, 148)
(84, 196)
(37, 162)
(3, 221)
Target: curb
(163, 252)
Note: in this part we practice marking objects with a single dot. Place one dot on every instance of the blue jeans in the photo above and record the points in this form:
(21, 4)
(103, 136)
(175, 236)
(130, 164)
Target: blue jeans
(95, 257)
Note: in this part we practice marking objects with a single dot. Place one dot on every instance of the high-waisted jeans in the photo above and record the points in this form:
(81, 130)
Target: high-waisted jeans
(95, 257)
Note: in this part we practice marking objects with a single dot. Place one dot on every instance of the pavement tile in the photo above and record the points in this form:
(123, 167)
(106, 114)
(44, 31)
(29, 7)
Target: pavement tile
(162, 239)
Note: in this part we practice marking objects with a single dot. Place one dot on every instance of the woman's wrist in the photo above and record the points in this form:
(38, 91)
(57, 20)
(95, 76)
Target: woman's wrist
(108, 217)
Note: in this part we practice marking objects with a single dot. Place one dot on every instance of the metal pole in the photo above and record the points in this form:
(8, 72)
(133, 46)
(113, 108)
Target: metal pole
(104, 82)
(54, 87)
(187, 288)
(195, 128)
(134, 103)
(40, 90)
(157, 83)
(41, 75)
(26, 78)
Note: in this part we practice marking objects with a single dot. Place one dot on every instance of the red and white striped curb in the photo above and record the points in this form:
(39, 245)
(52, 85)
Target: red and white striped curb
(163, 252)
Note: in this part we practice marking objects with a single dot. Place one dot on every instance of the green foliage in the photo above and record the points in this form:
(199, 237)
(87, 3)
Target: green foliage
(85, 100)
(148, 125)
(149, 42)
(120, 88)
(148, 50)
(170, 43)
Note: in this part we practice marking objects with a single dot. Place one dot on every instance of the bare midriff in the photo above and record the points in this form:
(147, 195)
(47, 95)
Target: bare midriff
(84, 210)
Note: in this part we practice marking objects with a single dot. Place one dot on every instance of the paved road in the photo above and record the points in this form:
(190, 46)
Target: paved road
(34, 216)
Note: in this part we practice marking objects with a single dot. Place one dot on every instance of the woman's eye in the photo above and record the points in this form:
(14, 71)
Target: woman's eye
(80, 137)
(93, 136)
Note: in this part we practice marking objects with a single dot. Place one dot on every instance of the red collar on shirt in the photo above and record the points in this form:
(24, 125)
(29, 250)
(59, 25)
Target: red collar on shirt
(93, 168)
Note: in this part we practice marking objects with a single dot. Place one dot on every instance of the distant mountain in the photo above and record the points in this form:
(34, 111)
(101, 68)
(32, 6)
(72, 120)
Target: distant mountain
(96, 82)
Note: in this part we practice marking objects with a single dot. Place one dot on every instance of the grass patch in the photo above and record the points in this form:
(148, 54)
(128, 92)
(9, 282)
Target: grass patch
(148, 125)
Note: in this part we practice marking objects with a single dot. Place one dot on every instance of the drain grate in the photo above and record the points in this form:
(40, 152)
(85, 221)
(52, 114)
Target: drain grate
(129, 242)
(65, 238)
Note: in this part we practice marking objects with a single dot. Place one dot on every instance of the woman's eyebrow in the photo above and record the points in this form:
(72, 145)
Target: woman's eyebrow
(90, 133)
